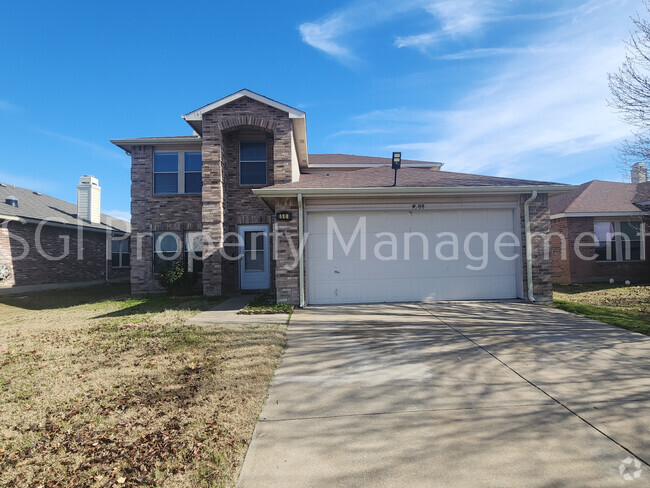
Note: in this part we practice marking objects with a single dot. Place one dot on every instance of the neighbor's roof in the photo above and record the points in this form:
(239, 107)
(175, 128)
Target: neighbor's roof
(33, 205)
(351, 160)
(381, 178)
(601, 197)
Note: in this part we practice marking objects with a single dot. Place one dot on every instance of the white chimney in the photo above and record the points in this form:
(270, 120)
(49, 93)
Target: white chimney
(639, 173)
(88, 199)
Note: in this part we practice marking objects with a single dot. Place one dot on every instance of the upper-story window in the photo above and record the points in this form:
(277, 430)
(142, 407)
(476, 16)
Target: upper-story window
(619, 241)
(252, 163)
(177, 172)
(193, 180)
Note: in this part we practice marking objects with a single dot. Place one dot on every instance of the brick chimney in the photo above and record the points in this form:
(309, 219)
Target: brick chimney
(639, 173)
(88, 199)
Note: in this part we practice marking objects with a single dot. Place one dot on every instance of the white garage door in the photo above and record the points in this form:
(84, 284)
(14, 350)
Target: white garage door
(390, 256)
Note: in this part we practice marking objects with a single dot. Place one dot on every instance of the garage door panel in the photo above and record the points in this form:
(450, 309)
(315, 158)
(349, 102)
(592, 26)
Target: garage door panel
(349, 279)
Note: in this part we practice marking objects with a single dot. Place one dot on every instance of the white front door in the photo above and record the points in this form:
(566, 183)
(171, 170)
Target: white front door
(254, 264)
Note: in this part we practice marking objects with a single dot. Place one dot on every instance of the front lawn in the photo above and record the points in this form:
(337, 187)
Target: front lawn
(101, 389)
(621, 305)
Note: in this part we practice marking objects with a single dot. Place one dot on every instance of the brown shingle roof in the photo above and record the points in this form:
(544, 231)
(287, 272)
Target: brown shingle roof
(382, 176)
(351, 159)
(601, 197)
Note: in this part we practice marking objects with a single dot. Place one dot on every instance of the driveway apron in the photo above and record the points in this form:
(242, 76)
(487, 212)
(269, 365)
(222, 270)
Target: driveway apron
(465, 394)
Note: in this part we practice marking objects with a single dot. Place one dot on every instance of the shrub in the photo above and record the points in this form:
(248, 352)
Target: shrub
(177, 280)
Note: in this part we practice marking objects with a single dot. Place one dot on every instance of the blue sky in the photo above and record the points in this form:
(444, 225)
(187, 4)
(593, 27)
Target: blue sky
(506, 88)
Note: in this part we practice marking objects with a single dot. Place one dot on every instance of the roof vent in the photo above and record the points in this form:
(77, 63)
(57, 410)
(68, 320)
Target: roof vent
(11, 200)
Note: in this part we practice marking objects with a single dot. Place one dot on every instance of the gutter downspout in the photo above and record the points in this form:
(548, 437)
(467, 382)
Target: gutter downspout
(529, 250)
(301, 247)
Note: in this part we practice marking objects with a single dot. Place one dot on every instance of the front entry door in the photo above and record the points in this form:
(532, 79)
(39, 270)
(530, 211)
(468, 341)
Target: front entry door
(254, 266)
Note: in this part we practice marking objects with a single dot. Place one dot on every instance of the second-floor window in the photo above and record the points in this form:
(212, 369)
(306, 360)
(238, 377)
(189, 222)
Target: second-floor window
(177, 172)
(252, 163)
(165, 172)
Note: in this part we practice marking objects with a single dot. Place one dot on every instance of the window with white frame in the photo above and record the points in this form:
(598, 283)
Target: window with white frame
(120, 254)
(166, 249)
(619, 240)
(177, 172)
(252, 163)
(194, 251)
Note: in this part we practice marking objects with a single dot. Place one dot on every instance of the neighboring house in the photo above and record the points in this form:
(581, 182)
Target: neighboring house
(600, 232)
(46, 242)
(246, 183)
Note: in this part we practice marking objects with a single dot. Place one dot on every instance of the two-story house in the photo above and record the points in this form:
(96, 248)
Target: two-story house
(244, 204)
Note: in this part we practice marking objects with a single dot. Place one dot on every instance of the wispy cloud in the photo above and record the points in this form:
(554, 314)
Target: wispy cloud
(547, 102)
(28, 182)
(101, 151)
(324, 35)
(491, 52)
(120, 214)
(358, 132)
(4, 105)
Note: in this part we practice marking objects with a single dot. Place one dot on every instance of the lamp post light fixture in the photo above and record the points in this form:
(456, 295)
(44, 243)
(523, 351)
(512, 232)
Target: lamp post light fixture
(397, 164)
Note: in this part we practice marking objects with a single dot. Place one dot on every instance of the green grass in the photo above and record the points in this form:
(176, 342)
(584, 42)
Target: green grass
(624, 306)
(266, 304)
(631, 320)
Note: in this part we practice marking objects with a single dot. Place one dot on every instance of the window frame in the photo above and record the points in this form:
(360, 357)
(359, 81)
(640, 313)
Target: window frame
(618, 240)
(265, 161)
(180, 182)
(198, 254)
(121, 252)
(178, 253)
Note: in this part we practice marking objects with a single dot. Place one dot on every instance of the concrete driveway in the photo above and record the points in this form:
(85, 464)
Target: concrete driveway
(454, 394)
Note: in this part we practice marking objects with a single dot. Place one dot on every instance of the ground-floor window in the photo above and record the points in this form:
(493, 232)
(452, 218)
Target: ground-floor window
(120, 254)
(619, 240)
(171, 246)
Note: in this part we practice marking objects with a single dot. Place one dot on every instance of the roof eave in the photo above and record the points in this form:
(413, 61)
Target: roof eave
(288, 192)
(562, 215)
(127, 144)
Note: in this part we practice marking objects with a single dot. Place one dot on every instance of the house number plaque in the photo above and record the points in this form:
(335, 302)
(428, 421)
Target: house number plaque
(284, 216)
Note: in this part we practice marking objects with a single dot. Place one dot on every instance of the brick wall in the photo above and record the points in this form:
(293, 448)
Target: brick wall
(223, 206)
(287, 270)
(35, 268)
(539, 227)
(154, 213)
(227, 204)
(574, 269)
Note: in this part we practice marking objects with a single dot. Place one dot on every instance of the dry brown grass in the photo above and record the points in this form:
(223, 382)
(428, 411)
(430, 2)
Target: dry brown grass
(101, 389)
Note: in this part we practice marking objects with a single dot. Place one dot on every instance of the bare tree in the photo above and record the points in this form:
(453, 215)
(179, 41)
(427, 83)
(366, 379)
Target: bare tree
(630, 87)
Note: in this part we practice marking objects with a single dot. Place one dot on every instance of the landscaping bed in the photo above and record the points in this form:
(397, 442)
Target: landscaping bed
(101, 389)
(266, 304)
(621, 305)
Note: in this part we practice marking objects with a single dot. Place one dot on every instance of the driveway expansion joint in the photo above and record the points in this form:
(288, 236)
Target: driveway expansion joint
(557, 401)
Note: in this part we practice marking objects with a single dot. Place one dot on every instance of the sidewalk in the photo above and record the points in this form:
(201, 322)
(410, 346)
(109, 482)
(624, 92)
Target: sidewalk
(226, 313)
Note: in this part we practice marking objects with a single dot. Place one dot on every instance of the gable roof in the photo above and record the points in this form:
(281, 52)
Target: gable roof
(197, 115)
(354, 161)
(598, 197)
(35, 206)
(380, 179)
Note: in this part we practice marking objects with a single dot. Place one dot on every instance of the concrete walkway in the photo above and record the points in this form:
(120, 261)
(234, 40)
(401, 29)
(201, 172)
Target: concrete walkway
(227, 313)
(454, 394)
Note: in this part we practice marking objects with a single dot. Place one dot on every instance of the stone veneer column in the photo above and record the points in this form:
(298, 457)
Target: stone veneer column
(213, 154)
